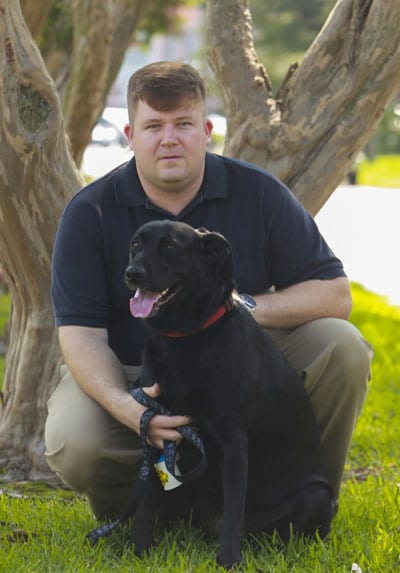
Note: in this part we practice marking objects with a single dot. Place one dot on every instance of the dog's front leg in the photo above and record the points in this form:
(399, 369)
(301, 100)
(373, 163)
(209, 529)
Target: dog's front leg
(233, 443)
(142, 536)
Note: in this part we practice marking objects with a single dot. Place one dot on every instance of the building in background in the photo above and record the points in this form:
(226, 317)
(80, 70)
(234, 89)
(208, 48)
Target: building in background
(187, 46)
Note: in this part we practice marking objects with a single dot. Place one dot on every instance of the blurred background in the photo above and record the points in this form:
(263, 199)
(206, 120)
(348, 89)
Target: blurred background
(350, 220)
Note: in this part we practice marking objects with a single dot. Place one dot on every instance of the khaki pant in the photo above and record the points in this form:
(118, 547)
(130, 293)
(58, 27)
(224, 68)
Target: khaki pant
(96, 455)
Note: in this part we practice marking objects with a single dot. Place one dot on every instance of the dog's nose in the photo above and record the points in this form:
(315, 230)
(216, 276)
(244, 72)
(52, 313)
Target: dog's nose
(135, 274)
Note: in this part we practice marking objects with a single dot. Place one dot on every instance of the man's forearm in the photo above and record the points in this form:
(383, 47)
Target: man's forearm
(98, 372)
(303, 302)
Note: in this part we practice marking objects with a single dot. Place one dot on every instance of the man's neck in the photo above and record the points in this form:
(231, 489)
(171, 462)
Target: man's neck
(173, 198)
(173, 201)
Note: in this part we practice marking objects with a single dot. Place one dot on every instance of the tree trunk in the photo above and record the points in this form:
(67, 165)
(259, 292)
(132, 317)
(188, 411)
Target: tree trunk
(35, 14)
(102, 31)
(327, 108)
(37, 177)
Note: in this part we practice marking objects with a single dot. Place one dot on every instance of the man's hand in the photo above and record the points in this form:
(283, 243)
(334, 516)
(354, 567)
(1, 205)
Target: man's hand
(163, 427)
(99, 373)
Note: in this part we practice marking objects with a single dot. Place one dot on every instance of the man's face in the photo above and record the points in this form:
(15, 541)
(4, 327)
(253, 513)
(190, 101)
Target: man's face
(169, 146)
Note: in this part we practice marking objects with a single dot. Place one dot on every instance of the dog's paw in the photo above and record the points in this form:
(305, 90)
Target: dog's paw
(141, 545)
(229, 557)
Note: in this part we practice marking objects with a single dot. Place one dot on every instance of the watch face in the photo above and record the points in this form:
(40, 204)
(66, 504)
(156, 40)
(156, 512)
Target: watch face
(248, 301)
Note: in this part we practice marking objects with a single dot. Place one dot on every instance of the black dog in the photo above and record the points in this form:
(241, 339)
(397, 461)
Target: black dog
(214, 363)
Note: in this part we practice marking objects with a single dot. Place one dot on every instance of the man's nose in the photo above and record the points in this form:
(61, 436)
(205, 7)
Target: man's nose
(169, 135)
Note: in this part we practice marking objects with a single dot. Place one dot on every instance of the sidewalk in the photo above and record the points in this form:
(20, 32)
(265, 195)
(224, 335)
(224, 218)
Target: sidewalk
(362, 226)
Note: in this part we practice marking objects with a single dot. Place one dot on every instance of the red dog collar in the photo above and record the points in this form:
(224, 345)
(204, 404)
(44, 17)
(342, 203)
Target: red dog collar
(219, 313)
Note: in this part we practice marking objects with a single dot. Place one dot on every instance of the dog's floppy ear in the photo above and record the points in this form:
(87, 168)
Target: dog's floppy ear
(218, 253)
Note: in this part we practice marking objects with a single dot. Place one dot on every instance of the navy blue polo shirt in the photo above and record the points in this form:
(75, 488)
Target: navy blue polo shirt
(275, 242)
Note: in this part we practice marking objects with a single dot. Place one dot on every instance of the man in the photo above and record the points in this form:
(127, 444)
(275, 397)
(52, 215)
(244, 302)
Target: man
(91, 431)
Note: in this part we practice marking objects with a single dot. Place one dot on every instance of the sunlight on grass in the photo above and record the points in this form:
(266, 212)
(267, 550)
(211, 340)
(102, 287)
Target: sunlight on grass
(377, 435)
(382, 171)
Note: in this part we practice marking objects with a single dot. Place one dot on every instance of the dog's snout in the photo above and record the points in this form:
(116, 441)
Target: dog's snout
(135, 273)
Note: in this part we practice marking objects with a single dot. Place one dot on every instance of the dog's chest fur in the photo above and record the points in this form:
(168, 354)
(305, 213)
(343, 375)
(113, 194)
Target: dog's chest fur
(192, 370)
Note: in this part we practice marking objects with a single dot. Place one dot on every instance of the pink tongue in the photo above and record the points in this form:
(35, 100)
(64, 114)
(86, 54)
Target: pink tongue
(142, 303)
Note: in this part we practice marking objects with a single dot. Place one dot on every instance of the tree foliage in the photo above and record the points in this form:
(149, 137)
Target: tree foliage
(284, 29)
(288, 25)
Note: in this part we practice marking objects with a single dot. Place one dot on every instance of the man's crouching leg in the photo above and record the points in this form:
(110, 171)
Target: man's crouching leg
(334, 360)
(89, 450)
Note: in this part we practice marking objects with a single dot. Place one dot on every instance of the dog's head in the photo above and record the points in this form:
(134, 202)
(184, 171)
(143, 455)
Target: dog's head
(178, 273)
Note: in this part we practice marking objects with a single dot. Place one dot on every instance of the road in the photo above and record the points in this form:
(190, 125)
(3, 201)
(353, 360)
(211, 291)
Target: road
(362, 226)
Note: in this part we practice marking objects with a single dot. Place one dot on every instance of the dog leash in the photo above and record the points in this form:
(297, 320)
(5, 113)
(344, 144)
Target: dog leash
(151, 455)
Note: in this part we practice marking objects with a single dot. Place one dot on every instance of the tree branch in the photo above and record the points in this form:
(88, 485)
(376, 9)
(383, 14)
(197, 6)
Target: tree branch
(348, 76)
(231, 48)
(102, 30)
(328, 106)
(35, 14)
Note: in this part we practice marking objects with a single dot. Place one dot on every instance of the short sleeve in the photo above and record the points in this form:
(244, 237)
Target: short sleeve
(79, 279)
(295, 250)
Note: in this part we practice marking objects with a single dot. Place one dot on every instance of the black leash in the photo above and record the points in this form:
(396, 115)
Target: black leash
(150, 456)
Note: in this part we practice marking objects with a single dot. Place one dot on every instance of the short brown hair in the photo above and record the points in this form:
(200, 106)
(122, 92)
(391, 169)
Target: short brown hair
(163, 85)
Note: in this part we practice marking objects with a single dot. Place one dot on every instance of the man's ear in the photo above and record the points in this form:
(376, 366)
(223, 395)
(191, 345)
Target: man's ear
(128, 134)
(218, 253)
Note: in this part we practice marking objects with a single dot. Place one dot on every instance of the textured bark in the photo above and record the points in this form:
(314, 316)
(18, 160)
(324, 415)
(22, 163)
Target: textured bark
(37, 177)
(35, 14)
(102, 31)
(328, 106)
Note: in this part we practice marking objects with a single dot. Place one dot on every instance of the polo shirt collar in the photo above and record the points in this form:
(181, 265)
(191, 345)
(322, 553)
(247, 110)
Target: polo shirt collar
(129, 191)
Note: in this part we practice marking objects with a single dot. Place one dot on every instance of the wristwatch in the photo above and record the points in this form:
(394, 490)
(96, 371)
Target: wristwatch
(248, 301)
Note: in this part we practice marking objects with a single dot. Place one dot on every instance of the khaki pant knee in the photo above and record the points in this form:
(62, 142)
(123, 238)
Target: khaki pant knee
(89, 450)
(334, 360)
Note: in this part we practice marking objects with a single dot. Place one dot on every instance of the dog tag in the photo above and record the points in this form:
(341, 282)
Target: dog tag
(168, 481)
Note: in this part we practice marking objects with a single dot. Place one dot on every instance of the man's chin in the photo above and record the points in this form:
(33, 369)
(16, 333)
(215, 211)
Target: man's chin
(172, 175)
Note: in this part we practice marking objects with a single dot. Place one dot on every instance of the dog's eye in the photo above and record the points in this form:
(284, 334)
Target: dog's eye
(134, 244)
(168, 245)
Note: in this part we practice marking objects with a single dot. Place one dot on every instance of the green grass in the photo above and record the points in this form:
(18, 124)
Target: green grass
(45, 532)
(383, 171)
